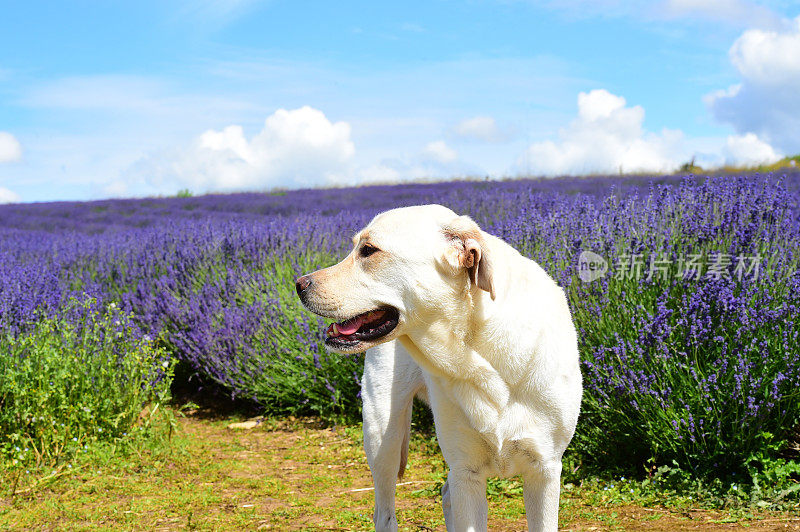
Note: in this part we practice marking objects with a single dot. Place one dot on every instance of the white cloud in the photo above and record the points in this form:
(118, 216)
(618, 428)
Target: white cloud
(768, 57)
(439, 152)
(115, 189)
(6, 196)
(380, 173)
(766, 100)
(99, 126)
(436, 160)
(600, 104)
(606, 137)
(748, 150)
(483, 128)
(10, 148)
(300, 147)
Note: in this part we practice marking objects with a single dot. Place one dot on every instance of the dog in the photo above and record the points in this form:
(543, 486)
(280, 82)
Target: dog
(453, 315)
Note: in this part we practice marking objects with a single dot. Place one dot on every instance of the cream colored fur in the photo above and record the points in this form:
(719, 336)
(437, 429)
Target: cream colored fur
(485, 336)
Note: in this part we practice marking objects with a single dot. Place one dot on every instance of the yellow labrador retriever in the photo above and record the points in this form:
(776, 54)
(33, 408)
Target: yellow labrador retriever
(459, 318)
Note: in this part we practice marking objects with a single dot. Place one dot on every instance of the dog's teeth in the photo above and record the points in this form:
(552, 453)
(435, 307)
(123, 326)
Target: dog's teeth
(335, 330)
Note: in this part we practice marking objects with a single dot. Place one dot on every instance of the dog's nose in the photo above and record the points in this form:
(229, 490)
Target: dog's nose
(303, 282)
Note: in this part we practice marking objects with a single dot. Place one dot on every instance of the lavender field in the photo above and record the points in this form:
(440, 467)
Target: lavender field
(687, 305)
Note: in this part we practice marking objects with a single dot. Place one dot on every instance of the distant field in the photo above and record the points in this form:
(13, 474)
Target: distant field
(689, 335)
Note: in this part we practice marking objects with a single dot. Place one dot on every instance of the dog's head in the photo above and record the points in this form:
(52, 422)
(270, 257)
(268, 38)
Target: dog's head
(404, 265)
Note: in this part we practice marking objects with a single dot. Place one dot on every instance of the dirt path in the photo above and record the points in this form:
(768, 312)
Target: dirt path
(325, 469)
(295, 475)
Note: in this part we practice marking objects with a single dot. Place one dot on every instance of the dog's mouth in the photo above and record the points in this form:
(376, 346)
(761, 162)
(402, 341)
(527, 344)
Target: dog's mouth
(365, 327)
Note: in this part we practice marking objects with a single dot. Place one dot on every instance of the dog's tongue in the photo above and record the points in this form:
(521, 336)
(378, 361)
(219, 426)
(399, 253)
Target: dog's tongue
(350, 326)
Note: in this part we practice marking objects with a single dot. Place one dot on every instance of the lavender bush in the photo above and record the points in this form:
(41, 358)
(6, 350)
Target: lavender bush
(697, 369)
(690, 341)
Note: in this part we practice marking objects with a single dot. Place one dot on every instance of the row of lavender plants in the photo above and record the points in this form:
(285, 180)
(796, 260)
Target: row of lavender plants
(686, 310)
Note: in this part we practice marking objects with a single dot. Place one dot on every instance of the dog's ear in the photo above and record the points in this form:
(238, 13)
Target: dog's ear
(473, 252)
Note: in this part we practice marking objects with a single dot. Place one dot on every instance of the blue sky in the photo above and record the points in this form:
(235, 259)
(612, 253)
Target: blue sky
(106, 99)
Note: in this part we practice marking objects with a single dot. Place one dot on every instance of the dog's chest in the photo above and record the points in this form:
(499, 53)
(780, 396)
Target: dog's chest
(518, 441)
(513, 458)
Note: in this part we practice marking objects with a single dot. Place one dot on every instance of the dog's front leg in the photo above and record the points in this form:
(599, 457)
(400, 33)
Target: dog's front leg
(541, 488)
(464, 502)
(391, 379)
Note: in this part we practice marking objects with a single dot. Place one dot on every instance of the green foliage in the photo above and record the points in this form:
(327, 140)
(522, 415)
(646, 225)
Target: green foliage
(289, 371)
(788, 162)
(75, 380)
(312, 383)
(184, 193)
(771, 484)
(690, 167)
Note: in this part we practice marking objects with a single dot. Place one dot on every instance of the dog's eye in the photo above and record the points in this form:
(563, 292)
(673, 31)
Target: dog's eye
(367, 250)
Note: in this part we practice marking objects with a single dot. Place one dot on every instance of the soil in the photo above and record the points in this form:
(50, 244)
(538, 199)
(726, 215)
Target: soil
(296, 474)
(273, 453)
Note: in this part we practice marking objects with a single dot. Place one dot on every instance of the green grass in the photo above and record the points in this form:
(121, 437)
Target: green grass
(790, 162)
(67, 386)
(299, 474)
